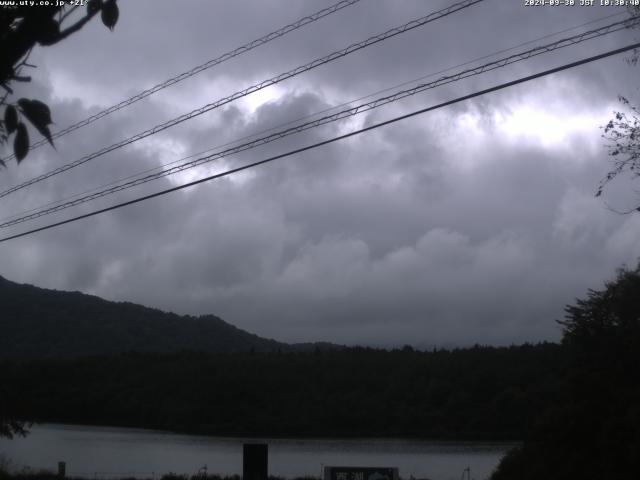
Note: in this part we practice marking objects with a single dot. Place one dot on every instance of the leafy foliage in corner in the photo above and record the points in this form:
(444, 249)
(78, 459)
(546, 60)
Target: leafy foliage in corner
(21, 29)
(622, 133)
(595, 433)
(623, 136)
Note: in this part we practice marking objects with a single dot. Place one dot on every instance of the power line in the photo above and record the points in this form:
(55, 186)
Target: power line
(331, 140)
(200, 68)
(562, 43)
(290, 122)
(311, 115)
(254, 88)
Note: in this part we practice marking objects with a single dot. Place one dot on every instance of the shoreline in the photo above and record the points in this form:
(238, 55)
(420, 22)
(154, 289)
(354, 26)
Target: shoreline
(447, 440)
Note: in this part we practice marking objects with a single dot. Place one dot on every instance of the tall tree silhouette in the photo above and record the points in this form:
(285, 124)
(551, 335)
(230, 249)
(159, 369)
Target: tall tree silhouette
(595, 432)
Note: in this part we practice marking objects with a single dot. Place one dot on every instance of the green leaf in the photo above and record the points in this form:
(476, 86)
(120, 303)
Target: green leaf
(21, 142)
(38, 114)
(11, 118)
(110, 14)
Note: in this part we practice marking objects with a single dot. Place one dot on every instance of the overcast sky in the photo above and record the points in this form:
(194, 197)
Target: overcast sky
(472, 223)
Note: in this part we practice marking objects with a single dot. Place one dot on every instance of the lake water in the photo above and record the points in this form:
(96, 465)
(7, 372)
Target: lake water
(105, 452)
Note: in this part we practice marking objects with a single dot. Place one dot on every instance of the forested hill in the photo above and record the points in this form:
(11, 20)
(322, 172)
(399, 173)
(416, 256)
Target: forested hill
(38, 323)
(484, 393)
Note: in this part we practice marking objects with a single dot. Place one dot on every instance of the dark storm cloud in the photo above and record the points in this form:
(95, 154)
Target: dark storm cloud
(475, 223)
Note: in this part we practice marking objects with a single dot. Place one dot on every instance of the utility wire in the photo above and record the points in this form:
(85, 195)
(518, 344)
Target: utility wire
(200, 68)
(331, 140)
(573, 40)
(291, 122)
(311, 115)
(254, 88)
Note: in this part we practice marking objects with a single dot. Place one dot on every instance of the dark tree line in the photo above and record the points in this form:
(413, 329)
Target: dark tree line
(475, 393)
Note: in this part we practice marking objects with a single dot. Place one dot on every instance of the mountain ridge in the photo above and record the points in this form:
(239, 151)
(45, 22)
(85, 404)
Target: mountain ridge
(37, 323)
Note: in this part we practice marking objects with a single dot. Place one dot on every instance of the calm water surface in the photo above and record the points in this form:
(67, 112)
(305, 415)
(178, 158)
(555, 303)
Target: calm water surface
(104, 452)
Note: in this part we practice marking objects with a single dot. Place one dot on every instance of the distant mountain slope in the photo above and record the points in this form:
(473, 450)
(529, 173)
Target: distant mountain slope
(41, 323)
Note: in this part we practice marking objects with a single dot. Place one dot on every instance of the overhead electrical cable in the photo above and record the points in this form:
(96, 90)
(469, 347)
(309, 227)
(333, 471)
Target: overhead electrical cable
(254, 88)
(361, 108)
(200, 68)
(311, 115)
(329, 141)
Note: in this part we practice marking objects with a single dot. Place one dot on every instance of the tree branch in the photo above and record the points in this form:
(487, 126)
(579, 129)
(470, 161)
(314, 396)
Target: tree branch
(77, 26)
(62, 18)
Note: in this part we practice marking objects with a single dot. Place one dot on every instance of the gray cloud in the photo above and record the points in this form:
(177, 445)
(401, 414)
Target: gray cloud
(475, 223)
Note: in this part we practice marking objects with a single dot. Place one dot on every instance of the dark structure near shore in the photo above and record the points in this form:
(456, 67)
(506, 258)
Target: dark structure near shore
(255, 461)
